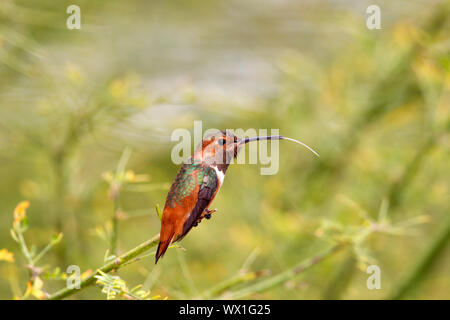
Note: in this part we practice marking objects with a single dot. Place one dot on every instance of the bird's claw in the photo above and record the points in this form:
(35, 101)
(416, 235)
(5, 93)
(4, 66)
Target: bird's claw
(206, 214)
(209, 212)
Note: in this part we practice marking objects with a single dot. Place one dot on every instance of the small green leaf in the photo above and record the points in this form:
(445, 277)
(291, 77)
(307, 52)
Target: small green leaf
(56, 238)
(14, 235)
(158, 211)
(24, 224)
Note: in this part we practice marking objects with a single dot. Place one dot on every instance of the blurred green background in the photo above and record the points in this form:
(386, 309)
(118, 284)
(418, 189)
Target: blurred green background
(374, 103)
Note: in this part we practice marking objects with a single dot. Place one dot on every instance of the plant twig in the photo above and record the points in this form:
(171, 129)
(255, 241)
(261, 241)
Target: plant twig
(24, 248)
(115, 226)
(269, 283)
(436, 247)
(233, 281)
(54, 241)
(114, 194)
(341, 279)
(113, 265)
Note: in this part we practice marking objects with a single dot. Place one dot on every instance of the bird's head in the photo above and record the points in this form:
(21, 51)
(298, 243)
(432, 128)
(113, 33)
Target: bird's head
(218, 149)
(221, 148)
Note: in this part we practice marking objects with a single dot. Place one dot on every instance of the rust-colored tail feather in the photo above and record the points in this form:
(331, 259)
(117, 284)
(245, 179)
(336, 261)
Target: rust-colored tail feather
(164, 241)
(162, 247)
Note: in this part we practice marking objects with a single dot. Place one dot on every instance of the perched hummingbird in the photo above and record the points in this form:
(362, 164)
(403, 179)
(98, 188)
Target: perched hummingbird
(197, 183)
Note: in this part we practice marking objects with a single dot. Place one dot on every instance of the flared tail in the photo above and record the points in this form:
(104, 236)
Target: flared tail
(164, 241)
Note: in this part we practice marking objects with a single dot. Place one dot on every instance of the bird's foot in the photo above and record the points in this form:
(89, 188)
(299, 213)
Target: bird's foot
(205, 214)
(209, 213)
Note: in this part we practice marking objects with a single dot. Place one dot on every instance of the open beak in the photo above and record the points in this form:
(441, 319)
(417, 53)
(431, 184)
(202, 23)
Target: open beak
(246, 140)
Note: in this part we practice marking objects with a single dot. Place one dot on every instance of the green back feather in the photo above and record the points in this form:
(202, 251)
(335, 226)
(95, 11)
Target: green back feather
(190, 175)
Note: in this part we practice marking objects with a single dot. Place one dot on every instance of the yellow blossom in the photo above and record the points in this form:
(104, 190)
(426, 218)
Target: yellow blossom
(119, 88)
(35, 288)
(73, 73)
(405, 34)
(107, 176)
(5, 255)
(86, 274)
(130, 176)
(20, 212)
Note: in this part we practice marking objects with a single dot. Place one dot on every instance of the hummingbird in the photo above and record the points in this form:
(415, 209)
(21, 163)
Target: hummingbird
(197, 184)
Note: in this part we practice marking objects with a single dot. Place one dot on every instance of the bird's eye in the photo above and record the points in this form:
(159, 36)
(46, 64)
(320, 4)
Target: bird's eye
(221, 142)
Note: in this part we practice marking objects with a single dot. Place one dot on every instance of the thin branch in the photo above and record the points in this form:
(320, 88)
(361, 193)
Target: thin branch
(232, 282)
(114, 193)
(24, 248)
(412, 168)
(187, 275)
(284, 276)
(108, 267)
(115, 225)
(424, 263)
(46, 249)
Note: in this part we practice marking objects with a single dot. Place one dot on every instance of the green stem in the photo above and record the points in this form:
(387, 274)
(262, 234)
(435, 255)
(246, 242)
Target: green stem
(158, 211)
(232, 282)
(410, 172)
(115, 190)
(42, 253)
(24, 248)
(115, 224)
(341, 280)
(285, 275)
(113, 265)
(151, 253)
(434, 250)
